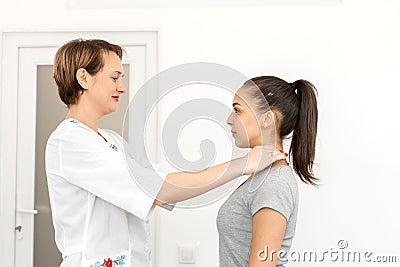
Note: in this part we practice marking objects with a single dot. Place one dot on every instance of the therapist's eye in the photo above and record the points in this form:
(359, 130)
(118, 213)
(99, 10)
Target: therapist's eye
(114, 78)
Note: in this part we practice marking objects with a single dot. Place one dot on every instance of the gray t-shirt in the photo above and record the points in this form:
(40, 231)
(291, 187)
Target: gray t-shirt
(274, 188)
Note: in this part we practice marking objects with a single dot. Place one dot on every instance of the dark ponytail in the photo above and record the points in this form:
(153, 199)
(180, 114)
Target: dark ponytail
(302, 148)
(297, 103)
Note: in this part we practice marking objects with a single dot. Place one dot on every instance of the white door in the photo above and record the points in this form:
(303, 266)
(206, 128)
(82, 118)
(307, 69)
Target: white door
(26, 55)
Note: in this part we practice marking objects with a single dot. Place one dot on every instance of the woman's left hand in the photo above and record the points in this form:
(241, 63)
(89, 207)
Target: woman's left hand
(261, 157)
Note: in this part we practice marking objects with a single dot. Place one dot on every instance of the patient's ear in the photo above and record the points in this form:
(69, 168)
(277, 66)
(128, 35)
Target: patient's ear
(82, 78)
(267, 119)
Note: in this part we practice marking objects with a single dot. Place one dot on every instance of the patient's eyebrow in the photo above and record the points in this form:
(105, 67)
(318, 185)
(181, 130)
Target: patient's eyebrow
(234, 104)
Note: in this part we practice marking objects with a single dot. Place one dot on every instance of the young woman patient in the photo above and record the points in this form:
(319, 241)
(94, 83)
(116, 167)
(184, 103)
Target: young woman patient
(260, 216)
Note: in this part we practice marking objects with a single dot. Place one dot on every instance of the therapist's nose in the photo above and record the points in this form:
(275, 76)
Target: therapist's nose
(121, 88)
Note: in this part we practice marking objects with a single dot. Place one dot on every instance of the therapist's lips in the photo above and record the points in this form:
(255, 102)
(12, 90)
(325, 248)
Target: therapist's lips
(116, 98)
(233, 133)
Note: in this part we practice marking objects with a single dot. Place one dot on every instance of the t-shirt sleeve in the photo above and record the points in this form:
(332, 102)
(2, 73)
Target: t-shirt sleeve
(275, 194)
(108, 174)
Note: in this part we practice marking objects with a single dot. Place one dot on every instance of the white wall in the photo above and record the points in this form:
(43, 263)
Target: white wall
(350, 52)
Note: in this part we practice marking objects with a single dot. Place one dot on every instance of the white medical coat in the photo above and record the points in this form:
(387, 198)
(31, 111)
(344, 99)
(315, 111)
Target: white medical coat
(98, 209)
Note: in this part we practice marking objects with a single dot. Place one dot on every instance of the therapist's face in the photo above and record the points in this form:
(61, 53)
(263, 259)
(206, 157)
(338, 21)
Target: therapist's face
(244, 120)
(105, 87)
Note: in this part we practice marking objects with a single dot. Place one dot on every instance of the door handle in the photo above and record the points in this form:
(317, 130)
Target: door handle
(19, 227)
(28, 211)
(20, 218)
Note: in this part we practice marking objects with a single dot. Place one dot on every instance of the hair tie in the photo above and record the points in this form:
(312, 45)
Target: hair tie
(293, 85)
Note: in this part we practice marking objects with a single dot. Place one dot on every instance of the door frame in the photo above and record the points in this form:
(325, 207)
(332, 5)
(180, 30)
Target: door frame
(18, 121)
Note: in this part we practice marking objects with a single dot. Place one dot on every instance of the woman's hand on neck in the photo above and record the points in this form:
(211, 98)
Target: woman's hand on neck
(278, 146)
(283, 162)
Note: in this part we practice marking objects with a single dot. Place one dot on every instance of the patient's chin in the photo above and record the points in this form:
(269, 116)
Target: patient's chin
(241, 144)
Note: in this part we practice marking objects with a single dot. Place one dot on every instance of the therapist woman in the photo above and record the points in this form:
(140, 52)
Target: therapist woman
(99, 212)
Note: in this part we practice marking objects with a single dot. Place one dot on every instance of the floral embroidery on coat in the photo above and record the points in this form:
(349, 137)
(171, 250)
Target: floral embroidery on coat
(120, 261)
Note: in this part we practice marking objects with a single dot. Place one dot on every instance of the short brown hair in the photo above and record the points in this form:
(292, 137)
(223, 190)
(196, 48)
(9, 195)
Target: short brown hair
(76, 54)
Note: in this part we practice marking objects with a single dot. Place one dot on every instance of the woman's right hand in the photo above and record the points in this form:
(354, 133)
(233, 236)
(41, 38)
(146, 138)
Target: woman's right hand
(180, 186)
(261, 157)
